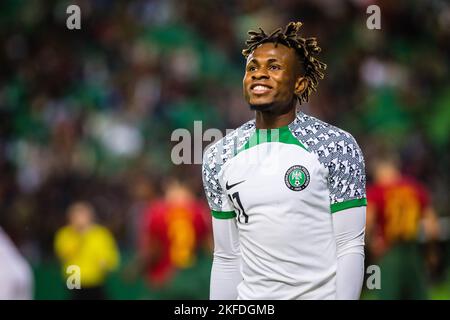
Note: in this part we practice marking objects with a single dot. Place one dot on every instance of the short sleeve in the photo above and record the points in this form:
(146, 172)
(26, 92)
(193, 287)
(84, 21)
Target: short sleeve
(218, 202)
(424, 196)
(347, 176)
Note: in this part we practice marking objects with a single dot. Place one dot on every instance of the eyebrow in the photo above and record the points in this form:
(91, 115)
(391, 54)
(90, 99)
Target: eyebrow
(254, 60)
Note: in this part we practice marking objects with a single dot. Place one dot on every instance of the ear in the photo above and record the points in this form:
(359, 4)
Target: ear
(300, 85)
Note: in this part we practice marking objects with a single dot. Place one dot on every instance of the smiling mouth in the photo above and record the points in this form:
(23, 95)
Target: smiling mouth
(260, 89)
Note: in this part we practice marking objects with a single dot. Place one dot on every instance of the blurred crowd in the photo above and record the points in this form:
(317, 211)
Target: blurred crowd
(87, 115)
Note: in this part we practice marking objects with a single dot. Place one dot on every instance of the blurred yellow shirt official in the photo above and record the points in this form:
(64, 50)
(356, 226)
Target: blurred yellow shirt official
(94, 251)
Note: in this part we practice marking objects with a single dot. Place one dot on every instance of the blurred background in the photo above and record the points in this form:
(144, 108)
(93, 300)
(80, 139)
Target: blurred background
(86, 118)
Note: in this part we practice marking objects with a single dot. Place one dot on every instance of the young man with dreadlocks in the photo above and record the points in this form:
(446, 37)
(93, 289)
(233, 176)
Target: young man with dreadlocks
(286, 190)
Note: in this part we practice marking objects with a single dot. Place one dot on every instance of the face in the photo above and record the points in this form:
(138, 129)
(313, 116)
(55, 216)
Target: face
(81, 217)
(271, 76)
(178, 193)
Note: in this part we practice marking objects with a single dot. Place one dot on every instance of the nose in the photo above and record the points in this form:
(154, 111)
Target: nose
(260, 74)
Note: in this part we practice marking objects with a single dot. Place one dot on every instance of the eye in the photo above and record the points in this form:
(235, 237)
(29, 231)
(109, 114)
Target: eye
(274, 67)
(251, 68)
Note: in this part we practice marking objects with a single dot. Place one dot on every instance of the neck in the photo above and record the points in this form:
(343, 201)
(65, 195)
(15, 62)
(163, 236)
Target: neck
(83, 229)
(388, 176)
(272, 120)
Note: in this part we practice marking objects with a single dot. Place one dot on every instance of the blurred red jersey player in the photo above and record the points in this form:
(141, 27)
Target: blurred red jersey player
(174, 229)
(397, 206)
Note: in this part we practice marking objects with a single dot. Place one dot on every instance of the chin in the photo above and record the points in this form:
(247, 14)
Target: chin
(268, 106)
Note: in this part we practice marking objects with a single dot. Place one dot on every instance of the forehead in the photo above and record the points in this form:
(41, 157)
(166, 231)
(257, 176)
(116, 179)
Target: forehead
(268, 51)
(80, 209)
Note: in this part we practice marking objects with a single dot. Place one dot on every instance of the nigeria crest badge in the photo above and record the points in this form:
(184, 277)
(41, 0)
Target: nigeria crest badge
(297, 178)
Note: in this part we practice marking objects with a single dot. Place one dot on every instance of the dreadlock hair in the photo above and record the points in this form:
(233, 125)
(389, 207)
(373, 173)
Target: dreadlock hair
(306, 48)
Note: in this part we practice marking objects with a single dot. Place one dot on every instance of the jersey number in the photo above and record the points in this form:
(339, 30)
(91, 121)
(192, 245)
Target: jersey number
(403, 214)
(182, 237)
(236, 200)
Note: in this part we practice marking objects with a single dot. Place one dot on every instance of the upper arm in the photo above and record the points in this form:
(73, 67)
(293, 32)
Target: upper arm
(110, 248)
(430, 220)
(347, 186)
(347, 177)
(220, 206)
(65, 246)
(431, 223)
(224, 226)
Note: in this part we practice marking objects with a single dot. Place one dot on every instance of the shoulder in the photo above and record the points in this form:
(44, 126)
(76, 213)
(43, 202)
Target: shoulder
(224, 149)
(412, 181)
(64, 231)
(420, 188)
(101, 231)
(332, 145)
(338, 151)
(215, 157)
(156, 207)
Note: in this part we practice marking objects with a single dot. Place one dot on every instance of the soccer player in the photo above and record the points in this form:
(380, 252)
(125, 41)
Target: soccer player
(16, 275)
(89, 246)
(286, 190)
(174, 230)
(397, 207)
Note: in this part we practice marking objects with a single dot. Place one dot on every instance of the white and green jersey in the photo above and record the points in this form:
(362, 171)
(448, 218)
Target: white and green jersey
(282, 186)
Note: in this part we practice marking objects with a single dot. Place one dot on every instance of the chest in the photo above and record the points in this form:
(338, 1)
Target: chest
(274, 178)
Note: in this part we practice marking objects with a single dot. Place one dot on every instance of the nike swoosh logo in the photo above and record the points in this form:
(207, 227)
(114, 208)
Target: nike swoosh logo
(228, 187)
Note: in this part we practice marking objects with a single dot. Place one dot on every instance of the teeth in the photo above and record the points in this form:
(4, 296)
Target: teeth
(259, 87)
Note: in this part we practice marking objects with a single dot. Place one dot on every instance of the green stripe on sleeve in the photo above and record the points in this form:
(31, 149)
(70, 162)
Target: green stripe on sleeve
(348, 204)
(223, 214)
